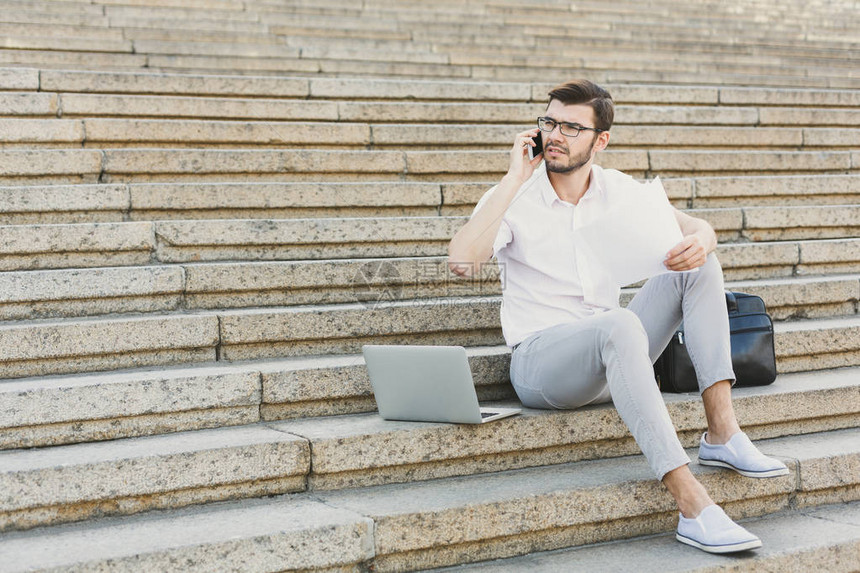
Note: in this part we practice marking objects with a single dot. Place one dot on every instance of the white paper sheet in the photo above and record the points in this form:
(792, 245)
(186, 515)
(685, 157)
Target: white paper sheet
(632, 239)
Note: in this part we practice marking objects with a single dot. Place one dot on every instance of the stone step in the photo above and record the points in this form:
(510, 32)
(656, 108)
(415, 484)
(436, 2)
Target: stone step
(19, 79)
(826, 538)
(47, 411)
(178, 165)
(173, 34)
(222, 285)
(625, 40)
(334, 52)
(334, 88)
(30, 247)
(69, 58)
(364, 450)
(628, 57)
(729, 78)
(69, 166)
(182, 241)
(139, 83)
(243, 50)
(201, 4)
(265, 535)
(710, 39)
(459, 520)
(14, 104)
(97, 291)
(781, 223)
(18, 41)
(710, 192)
(140, 106)
(539, 11)
(588, 42)
(320, 386)
(97, 344)
(75, 482)
(86, 292)
(31, 133)
(63, 204)
(597, 42)
(83, 8)
(799, 298)
(279, 66)
(76, 245)
(235, 13)
(24, 16)
(562, 25)
(192, 24)
(65, 166)
(336, 34)
(773, 190)
(780, 97)
(60, 31)
(340, 329)
(360, 135)
(85, 345)
(151, 202)
(719, 163)
(390, 112)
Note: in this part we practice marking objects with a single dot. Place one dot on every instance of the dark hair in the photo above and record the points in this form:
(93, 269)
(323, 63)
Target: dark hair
(588, 93)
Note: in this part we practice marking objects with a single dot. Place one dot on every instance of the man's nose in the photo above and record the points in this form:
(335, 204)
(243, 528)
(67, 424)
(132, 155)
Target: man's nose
(555, 134)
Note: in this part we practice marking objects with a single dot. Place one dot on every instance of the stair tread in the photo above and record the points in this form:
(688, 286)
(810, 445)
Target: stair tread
(207, 534)
(825, 538)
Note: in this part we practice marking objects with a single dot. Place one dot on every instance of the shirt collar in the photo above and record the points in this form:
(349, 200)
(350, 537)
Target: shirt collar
(595, 185)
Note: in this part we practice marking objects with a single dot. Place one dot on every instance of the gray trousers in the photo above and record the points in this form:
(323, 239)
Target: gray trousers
(610, 356)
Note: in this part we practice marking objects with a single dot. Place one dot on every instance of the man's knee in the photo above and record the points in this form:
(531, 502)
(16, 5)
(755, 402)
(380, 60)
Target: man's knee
(624, 324)
(712, 267)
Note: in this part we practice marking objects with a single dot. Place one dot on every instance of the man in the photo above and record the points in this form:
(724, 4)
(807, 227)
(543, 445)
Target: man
(572, 344)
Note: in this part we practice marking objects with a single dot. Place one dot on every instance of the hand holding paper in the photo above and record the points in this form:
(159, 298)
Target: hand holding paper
(631, 240)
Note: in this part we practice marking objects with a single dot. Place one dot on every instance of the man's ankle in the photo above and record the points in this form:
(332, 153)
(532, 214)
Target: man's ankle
(690, 495)
(718, 438)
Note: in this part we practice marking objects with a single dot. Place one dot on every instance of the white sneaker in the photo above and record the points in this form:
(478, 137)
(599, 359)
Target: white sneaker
(741, 455)
(715, 532)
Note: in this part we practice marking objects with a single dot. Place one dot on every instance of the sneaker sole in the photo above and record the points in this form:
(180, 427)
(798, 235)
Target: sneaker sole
(733, 548)
(746, 473)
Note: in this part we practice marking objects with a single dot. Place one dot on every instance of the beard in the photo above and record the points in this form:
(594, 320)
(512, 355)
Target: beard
(573, 163)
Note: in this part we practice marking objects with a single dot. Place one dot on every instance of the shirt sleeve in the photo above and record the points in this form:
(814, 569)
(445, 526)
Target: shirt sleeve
(504, 236)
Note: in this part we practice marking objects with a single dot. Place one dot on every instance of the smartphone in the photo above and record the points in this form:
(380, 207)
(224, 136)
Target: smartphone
(537, 149)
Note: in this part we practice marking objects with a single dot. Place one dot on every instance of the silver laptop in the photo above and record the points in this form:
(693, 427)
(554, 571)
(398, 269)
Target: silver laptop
(426, 384)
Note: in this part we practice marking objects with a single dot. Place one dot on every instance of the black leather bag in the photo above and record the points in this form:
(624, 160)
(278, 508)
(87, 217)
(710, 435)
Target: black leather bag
(753, 358)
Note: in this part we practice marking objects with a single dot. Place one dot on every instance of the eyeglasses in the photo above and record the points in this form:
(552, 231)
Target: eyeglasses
(548, 124)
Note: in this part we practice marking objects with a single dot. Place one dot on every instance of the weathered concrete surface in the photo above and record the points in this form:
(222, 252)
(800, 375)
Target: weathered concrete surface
(249, 535)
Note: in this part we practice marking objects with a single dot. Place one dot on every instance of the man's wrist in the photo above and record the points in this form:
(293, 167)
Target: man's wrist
(708, 239)
(513, 179)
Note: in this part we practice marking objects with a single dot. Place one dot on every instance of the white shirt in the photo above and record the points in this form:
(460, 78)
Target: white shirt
(547, 279)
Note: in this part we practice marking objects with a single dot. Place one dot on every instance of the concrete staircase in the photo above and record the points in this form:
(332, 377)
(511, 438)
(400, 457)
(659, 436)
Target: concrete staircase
(208, 206)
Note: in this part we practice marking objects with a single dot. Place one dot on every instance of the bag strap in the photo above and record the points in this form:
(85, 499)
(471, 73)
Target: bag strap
(731, 302)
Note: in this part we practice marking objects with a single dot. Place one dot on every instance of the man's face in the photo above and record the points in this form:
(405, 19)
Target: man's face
(564, 154)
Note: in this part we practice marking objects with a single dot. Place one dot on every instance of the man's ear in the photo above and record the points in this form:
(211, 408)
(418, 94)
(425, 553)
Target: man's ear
(602, 141)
